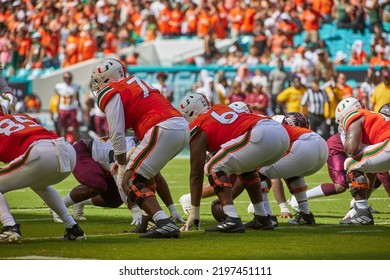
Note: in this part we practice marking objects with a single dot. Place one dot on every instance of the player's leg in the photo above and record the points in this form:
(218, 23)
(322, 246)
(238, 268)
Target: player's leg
(158, 147)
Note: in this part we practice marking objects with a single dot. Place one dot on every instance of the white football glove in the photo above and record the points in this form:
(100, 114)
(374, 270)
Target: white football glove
(192, 220)
(137, 215)
(175, 214)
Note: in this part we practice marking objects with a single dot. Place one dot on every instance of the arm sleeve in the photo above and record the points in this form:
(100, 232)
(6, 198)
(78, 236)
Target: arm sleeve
(304, 99)
(116, 124)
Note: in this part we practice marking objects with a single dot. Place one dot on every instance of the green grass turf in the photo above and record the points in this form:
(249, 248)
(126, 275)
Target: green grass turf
(108, 240)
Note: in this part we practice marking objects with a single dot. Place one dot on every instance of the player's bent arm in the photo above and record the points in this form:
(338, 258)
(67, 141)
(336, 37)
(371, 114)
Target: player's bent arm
(198, 149)
(353, 140)
(116, 125)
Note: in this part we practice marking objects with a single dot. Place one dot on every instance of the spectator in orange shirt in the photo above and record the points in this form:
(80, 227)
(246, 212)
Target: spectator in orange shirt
(204, 21)
(358, 55)
(324, 7)
(379, 59)
(191, 19)
(71, 48)
(342, 85)
(288, 27)
(110, 44)
(278, 42)
(175, 20)
(87, 44)
(236, 16)
(23, 46)
(248, 19)
(311, 23)
(163, 20)
(218, 24)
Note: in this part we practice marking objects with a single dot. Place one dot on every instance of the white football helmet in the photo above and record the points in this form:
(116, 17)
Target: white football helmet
(240, 107)
(345, 106)
(192, 105)
(104, 72)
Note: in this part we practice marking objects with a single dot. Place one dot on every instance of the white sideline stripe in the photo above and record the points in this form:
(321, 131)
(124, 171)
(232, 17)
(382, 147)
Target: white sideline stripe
(35, 257)
(355, 231)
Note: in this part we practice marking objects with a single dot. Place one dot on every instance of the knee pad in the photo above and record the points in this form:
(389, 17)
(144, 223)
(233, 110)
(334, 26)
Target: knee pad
(217, 184)
(357, 181)
(137, 194)
(249, 178)
(296, 184)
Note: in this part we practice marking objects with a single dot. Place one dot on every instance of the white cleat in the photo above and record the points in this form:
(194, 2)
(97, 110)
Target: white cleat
(251, 209)
(185, 202)
(293, 203)
(56, 218)
(78, 212)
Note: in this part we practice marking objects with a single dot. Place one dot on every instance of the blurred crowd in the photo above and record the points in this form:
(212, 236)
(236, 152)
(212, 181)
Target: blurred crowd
(39, 34)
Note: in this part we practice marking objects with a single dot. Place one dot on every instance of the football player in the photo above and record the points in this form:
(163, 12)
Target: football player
(129, 102)
(240, 143)
(95, 158)
(367, 144)
(34, 158)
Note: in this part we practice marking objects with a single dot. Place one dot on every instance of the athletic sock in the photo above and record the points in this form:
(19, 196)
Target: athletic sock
(230, 210)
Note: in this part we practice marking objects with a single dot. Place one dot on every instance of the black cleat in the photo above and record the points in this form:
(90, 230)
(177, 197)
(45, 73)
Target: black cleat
(303, 219)
(10, 234)
(229, 225)
(165, 228)
(260, 222)
(74, 234)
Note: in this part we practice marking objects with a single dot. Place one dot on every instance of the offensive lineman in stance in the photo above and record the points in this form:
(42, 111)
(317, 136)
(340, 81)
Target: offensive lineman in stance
(35, 158)
(129, 102)
(240, 143)
(367, 145)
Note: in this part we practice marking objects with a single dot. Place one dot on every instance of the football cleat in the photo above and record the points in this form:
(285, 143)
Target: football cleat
(164, 228)
(146, 224)
(78, 212)
(361, 217)
(10, 234)
(303, 219)
(185, 202)
(260, 222)
(229, 225)
(74, 234)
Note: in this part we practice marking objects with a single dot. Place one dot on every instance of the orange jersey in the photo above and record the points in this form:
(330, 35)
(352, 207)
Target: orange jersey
(17, 133)
(144, 106)
(294, 132)
(376, 128)
(222, 124)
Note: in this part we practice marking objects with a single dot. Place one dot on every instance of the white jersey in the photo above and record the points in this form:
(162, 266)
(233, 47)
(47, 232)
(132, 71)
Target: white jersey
(68, 96)
(103, 153)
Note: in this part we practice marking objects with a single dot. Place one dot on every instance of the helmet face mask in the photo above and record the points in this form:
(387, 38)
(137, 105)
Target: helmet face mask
(192, 105)
(345, 106)
(105, 72)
